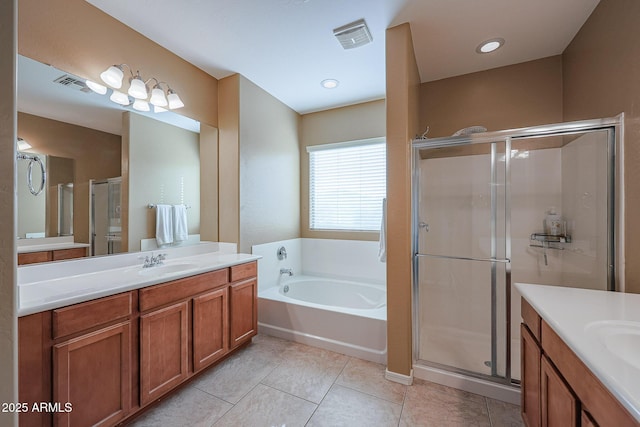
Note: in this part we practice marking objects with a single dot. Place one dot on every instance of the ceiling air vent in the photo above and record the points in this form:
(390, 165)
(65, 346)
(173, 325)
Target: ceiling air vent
(353, 35)
(72, 82)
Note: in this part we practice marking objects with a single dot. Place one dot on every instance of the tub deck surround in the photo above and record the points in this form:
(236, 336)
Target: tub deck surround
(53, 285)
(588, 322)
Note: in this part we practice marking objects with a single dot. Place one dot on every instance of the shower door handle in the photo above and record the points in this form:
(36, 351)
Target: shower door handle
(500, 260)
(424, 225)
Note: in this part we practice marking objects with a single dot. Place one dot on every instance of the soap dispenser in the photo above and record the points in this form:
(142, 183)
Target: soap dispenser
(553, 222)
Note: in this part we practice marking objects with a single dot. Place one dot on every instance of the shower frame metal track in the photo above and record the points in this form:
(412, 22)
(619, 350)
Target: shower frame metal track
(614, 127)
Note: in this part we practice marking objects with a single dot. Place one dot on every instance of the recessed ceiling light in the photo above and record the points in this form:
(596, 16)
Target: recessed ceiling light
(490, 45)
(329, 83)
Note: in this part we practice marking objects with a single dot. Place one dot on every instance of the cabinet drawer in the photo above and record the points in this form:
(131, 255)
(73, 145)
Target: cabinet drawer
(60, 254)
(86, 315)
(530, 318)
(33, 257)
(244, 271)
(166, 293)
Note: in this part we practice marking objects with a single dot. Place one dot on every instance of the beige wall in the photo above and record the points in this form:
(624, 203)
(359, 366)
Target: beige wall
(208, 183)
(269, 168)
(229, 159)
(402, 112)
(96, 155)
(76, 37)
(509, 97)
(32, 209)
(600, 79)
(361, 121)
(164, 167)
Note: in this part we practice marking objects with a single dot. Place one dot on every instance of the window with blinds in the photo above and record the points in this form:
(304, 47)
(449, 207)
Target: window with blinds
(347, 182)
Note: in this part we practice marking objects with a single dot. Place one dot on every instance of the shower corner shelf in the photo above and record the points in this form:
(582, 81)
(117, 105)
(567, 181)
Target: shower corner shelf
(541, 240)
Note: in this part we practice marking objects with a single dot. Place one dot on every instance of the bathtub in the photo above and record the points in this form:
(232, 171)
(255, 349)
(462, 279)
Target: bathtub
(348, 317)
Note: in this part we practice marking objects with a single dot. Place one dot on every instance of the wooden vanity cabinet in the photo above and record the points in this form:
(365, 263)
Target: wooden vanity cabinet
(112, 356)
(557, 388)
(54, 255)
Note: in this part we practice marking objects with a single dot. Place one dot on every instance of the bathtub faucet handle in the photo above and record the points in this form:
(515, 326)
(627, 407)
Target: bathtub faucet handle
(288, 271)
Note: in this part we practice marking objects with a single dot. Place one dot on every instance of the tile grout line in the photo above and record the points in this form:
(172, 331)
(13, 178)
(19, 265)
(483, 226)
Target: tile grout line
(332, 384)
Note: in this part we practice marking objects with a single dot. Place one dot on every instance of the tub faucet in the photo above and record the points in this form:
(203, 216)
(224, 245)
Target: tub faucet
(287, 271)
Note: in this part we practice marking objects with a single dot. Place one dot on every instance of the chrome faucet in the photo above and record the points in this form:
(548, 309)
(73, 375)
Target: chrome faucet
(287, 271)
(153, 261)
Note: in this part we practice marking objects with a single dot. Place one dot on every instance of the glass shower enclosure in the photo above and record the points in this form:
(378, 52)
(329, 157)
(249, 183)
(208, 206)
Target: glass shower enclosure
(106, 227)
(534, 205)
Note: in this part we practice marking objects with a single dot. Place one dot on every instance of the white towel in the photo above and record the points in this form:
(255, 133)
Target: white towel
(382, 251)
(180, 230)
(164, 225)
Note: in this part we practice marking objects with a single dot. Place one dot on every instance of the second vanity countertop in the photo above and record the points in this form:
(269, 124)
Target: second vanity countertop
(601, 328)
(53, 285)
(48, 244)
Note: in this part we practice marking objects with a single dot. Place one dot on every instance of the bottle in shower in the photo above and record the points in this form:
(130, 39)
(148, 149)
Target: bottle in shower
(553, 222)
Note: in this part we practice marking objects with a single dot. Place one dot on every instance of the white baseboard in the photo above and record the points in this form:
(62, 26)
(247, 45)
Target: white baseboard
(399, 378)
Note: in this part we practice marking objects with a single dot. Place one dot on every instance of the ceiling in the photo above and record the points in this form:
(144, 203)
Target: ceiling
(287, 47)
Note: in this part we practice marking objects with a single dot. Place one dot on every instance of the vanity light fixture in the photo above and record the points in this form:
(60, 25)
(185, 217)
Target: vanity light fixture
(119, 98)
(96, 87)
(23, 145)
(141, 105)
(138, 89)
(491, 45)
(329, 83)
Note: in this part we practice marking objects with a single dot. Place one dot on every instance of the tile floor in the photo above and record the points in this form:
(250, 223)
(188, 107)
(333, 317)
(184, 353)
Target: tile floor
(273, 382)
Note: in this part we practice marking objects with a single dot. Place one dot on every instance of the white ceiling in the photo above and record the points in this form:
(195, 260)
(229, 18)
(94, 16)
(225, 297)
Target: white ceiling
(287, 46)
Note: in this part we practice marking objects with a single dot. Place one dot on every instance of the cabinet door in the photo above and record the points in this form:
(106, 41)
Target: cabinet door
(244, 311)
(92, 373)
(164, 346)
(586, 420)
(530, 387)
(210, 327)
(559, 405)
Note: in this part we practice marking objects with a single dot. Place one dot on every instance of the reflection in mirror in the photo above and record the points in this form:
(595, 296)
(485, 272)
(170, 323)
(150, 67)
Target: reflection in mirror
(81, 134)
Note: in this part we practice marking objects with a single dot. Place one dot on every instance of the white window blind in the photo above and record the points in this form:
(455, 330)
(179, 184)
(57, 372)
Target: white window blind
(347, 182)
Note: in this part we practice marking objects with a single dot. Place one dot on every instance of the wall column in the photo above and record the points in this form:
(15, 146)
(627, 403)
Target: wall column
(8, 259)
(403, 91)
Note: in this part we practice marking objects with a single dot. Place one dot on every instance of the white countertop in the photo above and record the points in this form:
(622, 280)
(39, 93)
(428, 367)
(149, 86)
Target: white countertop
(48, 244)
(579, 317)
(53, 285)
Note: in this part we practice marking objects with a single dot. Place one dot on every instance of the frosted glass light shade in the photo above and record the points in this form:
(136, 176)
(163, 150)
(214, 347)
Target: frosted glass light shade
(138, 89)
(113, 76)
(119, 98)
(96, 87)
(174, 100)
(23, 145)
(157, 109)
(157, 97)
(141, 105)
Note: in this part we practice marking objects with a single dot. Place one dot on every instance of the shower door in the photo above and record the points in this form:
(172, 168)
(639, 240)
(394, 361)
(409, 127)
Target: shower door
(106, 226)
(462, 257)
(481, 212)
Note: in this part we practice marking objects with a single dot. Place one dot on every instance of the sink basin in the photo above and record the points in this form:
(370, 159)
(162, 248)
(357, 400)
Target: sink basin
(163, 270)
(620, 338)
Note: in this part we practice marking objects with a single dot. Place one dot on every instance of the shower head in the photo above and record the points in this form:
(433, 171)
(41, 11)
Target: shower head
(470, 130)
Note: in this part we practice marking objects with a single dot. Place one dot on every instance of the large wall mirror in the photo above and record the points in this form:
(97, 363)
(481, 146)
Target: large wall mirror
(87, 143)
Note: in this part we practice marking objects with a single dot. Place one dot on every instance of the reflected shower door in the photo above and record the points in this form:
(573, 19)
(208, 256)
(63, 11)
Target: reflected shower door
(105, 217)
(462, 258)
